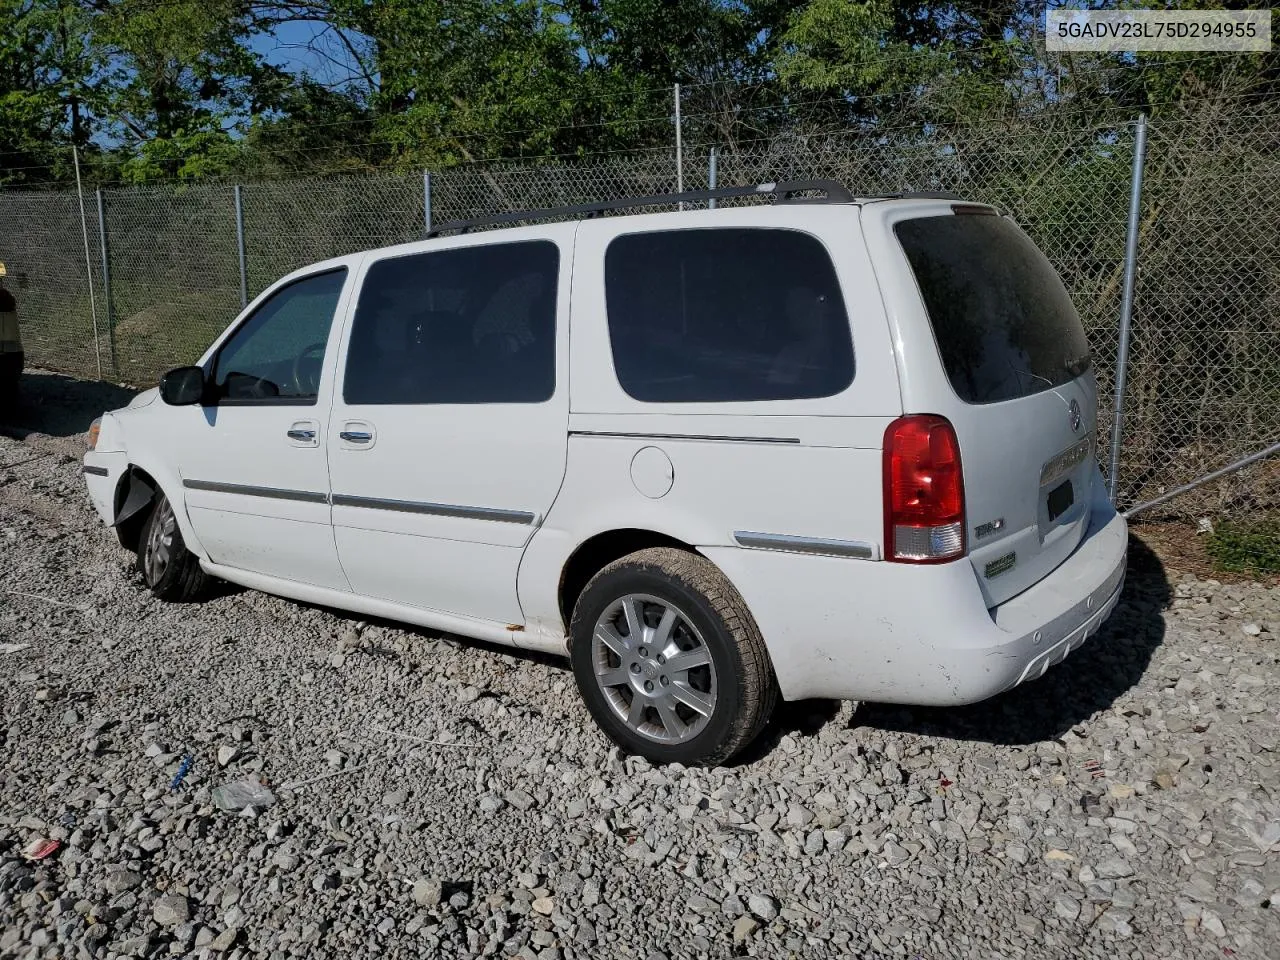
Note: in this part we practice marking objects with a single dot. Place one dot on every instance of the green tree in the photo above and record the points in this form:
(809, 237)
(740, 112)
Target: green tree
(180, 84)
(47, 97)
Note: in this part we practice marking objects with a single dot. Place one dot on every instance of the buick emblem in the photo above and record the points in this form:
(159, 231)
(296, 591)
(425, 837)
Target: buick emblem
(1073, 412)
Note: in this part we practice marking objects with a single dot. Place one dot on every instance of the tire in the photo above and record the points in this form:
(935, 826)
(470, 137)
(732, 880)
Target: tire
(722, 690)
(170, 571)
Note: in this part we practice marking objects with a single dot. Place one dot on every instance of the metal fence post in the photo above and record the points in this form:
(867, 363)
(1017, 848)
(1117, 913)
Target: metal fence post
(426, 199)
(88, 262)
(679, 148)
(244, 273)
(1126, 301)
(711, 178)
(106, 280)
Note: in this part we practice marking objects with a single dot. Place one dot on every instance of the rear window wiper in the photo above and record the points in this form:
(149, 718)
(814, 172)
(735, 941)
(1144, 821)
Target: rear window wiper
(1077, 365)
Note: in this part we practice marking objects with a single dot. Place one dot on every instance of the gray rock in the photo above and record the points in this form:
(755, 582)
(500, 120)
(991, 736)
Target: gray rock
(171, 910)
(763, 906)
(428, 893)
(894, 854)
(1031, 926)
(1212, 923)
(814, 843)
(225, 940)
(1124, 845)
(1067, 907)
(135, 946)
(1116, 925)
(1113, 869)
(603, 854)
(744, 928)
(120, 880)
(798, 816)
(520, 799)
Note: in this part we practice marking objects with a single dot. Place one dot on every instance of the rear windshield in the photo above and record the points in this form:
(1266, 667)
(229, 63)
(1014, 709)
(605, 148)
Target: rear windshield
(1004, 324)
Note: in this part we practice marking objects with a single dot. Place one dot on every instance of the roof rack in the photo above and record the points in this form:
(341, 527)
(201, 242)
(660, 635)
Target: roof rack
(783, 192)
(917, 195)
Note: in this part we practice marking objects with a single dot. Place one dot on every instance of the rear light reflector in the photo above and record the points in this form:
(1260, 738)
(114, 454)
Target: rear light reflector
(923, 491)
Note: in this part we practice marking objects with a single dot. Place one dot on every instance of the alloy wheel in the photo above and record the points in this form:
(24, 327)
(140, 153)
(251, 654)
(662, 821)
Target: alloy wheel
(654, 668)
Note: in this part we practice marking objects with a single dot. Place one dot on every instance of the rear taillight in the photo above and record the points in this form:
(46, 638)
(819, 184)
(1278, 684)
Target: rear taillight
(923, 491)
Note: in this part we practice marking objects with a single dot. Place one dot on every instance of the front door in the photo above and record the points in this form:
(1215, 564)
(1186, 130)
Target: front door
(252, 458)
(448, 437)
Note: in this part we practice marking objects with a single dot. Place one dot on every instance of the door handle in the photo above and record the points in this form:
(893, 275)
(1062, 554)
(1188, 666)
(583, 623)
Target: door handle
(303, 433)
(356, 436)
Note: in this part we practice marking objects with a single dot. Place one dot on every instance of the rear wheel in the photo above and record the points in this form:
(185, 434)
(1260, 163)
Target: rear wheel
(169, 569)
(669, 660)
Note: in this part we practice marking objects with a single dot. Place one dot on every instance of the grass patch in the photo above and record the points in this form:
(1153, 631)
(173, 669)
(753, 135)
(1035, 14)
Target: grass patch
(1246, 547)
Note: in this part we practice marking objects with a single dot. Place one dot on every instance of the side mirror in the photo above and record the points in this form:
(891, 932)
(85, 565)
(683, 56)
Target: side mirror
(182, 386)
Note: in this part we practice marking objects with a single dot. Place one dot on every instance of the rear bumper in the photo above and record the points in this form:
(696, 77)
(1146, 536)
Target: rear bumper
(1058, 614)
(897, 633)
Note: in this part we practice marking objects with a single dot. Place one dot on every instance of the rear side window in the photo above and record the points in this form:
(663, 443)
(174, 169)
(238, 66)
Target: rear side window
(472, 325)
(726, 315)
(1003, 321)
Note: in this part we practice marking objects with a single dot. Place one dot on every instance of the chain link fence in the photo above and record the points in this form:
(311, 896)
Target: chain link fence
(42, 247)
(1204, 367)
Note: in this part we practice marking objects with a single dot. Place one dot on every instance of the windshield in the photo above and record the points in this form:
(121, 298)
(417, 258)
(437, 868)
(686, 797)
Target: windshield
(1003, 321)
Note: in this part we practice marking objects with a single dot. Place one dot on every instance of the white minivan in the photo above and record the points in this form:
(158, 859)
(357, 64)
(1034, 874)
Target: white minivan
(827, 446)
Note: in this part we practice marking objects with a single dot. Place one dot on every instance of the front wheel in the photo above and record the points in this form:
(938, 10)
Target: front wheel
(169, 569)
(669, 659)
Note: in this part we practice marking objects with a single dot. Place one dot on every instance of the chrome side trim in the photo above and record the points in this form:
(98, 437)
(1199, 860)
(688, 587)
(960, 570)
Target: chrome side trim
(681, 436)
(95, 471)
(833, 548)
(247, 490)
(435, 509)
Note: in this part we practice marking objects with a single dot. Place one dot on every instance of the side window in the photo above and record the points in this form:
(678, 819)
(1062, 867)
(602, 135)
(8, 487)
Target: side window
(278, 353)
(726, 315)
(470, 325)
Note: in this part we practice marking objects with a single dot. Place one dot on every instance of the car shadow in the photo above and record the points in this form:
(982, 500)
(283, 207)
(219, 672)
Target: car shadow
(57, 405)
(1088, 681)
(798, 719)
(430, 635)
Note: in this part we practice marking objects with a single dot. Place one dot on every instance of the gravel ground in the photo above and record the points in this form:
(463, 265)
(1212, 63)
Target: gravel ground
(434, 797)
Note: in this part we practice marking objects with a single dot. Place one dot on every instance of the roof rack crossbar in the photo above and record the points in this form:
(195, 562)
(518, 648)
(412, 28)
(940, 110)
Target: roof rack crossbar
(783, 192)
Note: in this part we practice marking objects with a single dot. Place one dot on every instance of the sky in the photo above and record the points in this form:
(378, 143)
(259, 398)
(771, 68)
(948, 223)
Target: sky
(307, 47)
